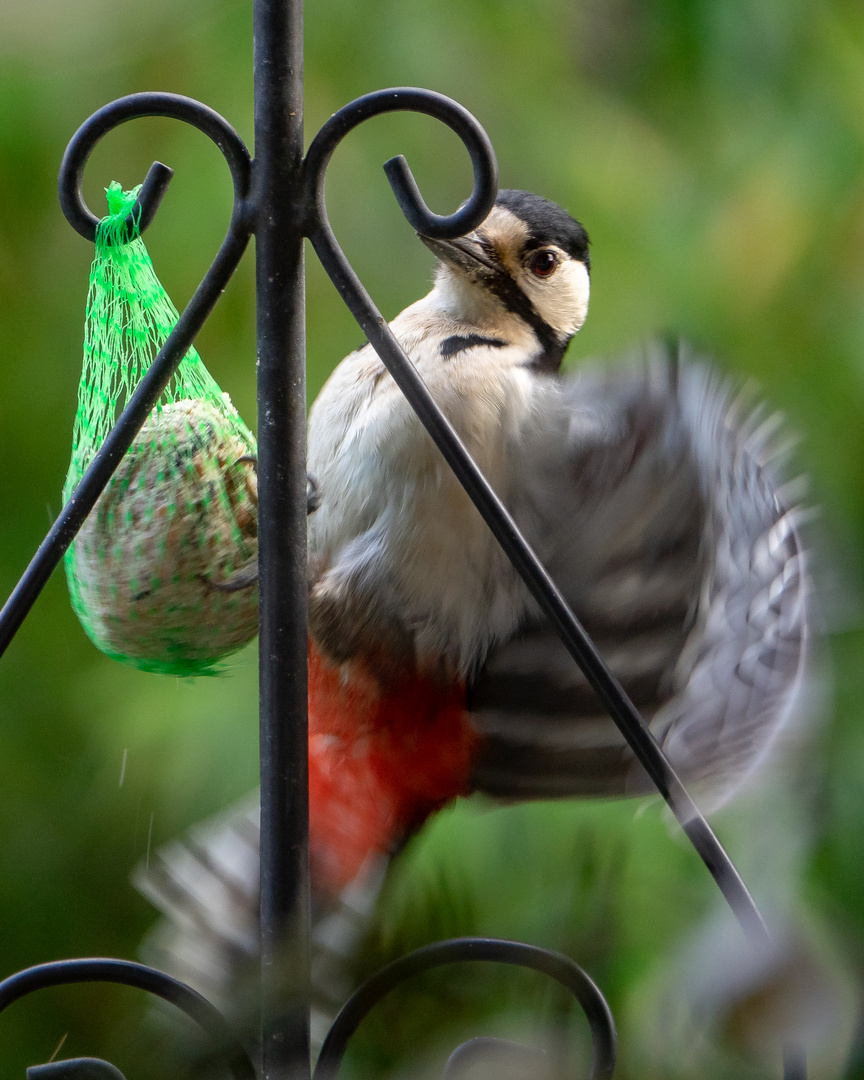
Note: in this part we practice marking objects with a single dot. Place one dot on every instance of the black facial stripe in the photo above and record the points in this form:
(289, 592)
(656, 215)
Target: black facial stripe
(459, 342)
(512, 297)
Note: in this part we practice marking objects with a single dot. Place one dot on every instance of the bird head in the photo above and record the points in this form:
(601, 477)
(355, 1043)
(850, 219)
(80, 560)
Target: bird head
(529, 260)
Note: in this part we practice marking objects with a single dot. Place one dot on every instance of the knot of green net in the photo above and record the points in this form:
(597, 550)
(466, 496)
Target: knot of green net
(123, 223)
(162, 573)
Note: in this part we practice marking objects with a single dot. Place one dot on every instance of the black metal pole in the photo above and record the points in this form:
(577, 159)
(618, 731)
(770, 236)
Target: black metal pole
(278, 29)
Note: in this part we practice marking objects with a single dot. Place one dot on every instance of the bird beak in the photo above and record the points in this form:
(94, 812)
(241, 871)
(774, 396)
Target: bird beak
(465, 255)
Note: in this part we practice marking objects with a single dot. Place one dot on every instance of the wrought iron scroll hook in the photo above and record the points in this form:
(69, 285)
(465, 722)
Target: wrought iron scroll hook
(492, 950)
(134, 107)
(125, 973)
(99, 472)
(408, 99)
(466, 218)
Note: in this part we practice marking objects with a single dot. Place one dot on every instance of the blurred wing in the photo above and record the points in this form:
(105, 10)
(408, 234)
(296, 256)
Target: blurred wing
(655, 503)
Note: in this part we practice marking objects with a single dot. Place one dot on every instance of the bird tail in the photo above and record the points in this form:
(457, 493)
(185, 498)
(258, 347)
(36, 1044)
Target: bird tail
(205, 884)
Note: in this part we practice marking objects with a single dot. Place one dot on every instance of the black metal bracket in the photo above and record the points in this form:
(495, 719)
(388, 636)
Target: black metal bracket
(280, 198)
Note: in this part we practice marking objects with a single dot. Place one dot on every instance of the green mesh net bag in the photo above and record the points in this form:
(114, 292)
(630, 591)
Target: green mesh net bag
(162, 574)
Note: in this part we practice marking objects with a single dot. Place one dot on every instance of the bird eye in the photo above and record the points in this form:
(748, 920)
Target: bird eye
(543, 263)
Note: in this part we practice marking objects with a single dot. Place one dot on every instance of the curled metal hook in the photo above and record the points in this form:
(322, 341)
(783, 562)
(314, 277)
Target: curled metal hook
(471, 214)
(128, 973)
(133, 107)
(491, 950)
(468, 216)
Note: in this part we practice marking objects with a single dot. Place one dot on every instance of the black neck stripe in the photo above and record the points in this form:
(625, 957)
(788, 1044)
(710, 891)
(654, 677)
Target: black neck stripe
(549, 358)
(459, 342)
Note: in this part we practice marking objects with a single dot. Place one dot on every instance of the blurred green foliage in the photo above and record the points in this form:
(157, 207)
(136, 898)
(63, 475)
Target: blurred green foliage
(715, 151)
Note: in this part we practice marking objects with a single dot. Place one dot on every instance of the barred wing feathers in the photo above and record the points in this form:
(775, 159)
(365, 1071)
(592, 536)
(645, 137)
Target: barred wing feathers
(656, 503)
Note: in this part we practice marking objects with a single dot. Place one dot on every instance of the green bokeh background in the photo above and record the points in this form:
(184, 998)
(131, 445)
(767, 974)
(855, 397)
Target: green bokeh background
(715, 151)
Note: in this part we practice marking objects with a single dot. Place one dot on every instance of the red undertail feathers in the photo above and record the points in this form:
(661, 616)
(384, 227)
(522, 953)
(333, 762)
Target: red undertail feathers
(381, 759)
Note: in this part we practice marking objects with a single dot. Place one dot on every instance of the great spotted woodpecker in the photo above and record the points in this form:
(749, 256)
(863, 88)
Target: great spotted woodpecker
(651, 495)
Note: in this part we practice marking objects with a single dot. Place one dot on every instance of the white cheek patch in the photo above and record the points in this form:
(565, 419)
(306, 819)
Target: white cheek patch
(561, 300)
